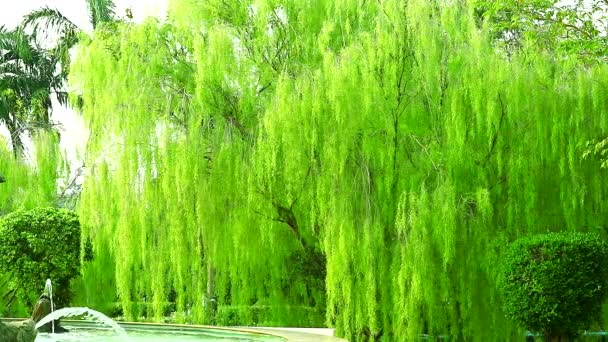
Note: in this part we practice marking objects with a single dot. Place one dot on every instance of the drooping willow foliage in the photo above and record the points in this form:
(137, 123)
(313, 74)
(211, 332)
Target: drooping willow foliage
(30, 182)
(365, 161)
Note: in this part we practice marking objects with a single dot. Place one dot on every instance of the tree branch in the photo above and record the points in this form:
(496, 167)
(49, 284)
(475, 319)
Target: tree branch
(503, 113)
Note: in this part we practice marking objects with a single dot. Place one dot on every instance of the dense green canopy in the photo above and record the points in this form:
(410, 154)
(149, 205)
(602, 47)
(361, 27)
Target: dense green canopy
(362, 161)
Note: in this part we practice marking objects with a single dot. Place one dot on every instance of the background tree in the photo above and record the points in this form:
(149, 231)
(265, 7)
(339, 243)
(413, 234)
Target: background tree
(572, 28)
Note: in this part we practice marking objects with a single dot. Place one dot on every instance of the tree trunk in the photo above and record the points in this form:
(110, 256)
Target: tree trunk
(557, 338)
(15, 138)
(211, 305)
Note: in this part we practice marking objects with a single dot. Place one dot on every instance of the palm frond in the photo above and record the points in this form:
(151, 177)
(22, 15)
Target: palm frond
(51, 19)
(101, 11)
(62, 97)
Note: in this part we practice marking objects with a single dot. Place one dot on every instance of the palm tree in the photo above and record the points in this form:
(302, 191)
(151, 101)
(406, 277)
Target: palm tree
(31, 75)
(100, 11)
(49, 20)
(28, 80)
(46, 19)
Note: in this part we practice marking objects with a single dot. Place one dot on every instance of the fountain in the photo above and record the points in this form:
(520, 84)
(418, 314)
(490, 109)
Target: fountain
(45, 306)
(88, 313)
(54, 315)
(98, 327)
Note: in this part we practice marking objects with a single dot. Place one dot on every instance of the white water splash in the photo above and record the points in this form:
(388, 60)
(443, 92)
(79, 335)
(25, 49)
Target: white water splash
(48, 289)
(89, 313)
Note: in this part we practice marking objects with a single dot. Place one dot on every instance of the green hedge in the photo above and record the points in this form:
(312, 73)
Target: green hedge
(555, 283)
(262, 315)
(36, 245)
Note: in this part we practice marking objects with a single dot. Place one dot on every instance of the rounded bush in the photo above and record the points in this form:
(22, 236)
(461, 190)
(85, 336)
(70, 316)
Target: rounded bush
(39, 244)
(555, 283)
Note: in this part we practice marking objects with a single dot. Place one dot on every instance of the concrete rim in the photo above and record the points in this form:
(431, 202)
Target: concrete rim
(302, 335)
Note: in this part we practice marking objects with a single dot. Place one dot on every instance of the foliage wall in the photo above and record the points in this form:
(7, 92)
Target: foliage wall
(365, 160)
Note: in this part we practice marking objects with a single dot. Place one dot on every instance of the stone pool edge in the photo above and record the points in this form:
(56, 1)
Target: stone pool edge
(292, 335)
(289, 334)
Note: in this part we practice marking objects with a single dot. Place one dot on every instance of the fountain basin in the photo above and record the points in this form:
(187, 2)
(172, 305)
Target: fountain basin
(91, 331)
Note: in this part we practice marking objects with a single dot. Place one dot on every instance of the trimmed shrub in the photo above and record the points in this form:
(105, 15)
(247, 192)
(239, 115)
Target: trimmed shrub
(36, 245)
(555, 283)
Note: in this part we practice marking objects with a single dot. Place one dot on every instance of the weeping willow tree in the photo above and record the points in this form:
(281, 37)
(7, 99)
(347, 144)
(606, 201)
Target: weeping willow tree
(363, 161)
(172, 196)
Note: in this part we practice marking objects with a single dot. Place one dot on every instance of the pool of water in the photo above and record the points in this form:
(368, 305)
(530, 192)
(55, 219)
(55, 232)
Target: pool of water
(88, 332)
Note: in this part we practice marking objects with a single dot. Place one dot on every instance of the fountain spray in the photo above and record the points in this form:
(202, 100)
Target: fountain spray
(48, 288)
